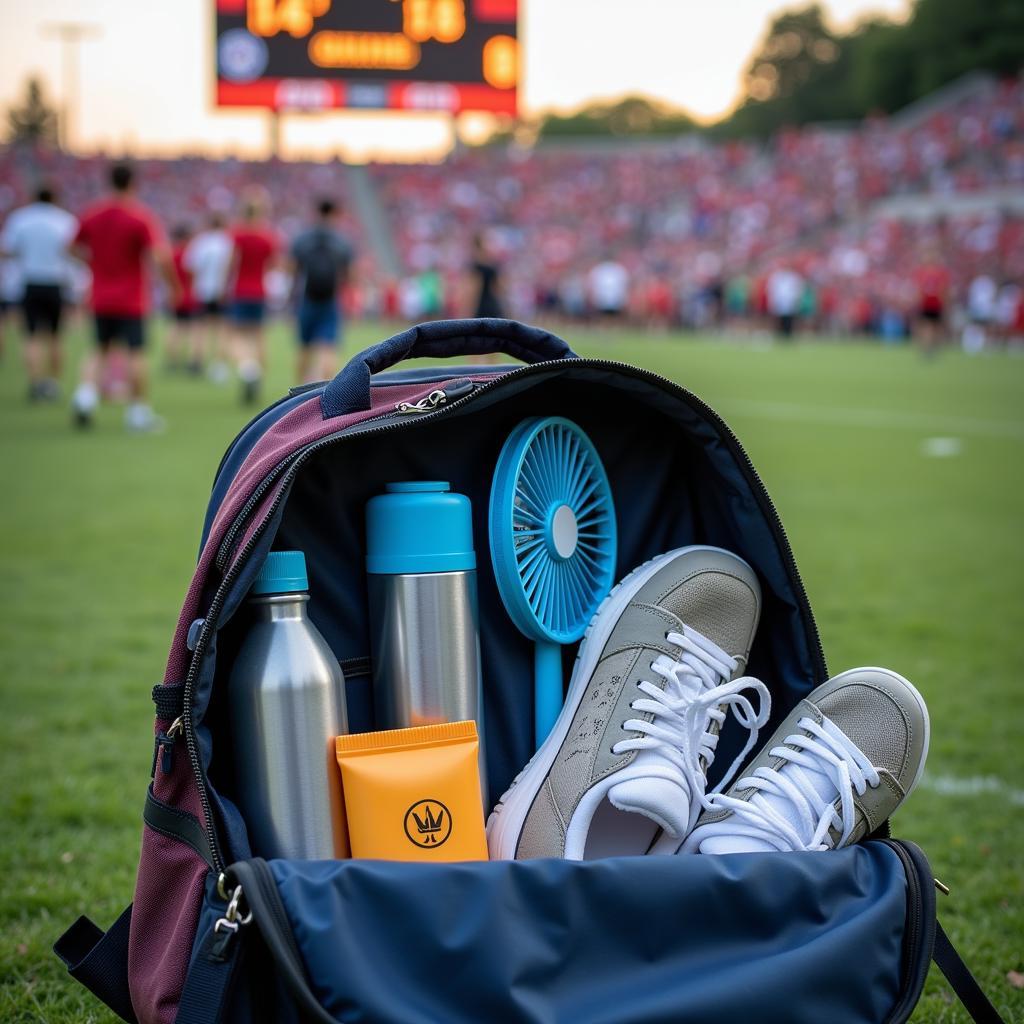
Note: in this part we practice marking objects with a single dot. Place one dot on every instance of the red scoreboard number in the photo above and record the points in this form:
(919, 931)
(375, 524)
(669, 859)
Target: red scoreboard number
(448, 55)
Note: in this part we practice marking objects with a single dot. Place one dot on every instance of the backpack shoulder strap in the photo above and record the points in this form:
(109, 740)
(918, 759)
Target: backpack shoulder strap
(99, 960)
(959, 976)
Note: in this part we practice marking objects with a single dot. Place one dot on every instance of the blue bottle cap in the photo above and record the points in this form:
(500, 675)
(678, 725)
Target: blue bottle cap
(284, 572)
(419, 526)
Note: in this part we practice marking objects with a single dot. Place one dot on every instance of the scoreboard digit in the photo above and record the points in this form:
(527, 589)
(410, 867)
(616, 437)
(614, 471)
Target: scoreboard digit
(447, 55)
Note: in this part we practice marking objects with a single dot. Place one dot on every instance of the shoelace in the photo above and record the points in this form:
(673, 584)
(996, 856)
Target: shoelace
(697, 689)
(827, 751)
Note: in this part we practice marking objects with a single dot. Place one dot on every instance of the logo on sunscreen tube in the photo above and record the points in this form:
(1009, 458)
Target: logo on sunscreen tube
(428, 823)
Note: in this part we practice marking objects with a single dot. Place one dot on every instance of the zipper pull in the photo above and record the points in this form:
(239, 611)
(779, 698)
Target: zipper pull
(226, 928)
(165, 746)
(439, 396)
(432, 401)
(194, 630)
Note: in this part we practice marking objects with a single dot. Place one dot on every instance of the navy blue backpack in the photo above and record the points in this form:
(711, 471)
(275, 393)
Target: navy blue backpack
(215, 936)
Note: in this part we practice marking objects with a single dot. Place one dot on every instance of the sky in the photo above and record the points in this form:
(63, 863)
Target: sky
(145, 80)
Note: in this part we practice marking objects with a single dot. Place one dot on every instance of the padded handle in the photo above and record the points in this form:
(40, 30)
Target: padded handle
(349, 392)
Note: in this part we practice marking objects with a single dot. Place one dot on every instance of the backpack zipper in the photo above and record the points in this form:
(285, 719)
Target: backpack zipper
(458, 389)
(392, 420)
(921, 905)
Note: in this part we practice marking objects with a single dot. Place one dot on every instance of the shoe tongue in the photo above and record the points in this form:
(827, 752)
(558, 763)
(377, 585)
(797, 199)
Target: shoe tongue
(782, 806)
(664, 801)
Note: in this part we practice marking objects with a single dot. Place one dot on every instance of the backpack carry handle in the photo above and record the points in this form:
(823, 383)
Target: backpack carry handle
(349, 392)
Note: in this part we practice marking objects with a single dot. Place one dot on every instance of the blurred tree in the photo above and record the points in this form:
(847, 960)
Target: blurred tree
(804, 72)
(34, 120)
(800, 74)
(633, 115)
(952, 37)
(882, 68)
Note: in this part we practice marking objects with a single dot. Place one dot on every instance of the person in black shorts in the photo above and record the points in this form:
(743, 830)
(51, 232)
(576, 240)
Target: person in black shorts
(321, 263)
(207, 260)
(183, 351)
(120, 238)
(37, 237)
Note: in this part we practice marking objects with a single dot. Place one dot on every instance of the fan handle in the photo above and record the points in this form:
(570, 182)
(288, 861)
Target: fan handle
(350, 390)
(547, 681)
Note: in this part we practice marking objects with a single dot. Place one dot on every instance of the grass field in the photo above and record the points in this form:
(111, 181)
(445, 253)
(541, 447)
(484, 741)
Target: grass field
(912, 560)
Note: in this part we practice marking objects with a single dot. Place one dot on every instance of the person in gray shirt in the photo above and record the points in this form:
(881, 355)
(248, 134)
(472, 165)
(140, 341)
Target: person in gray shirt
(322, 261)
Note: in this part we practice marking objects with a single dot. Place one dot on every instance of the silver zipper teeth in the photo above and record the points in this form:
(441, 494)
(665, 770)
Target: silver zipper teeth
(292, 462)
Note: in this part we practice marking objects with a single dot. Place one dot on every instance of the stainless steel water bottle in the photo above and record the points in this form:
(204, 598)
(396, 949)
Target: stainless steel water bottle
(287, 704)
(423, 606)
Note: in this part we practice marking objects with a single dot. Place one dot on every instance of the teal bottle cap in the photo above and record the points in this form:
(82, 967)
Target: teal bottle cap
(284, 572)
(418, 486)
(419, 526)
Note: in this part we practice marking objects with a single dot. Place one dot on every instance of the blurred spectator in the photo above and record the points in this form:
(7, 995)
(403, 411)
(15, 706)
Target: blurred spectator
(181, 339)
(608, 284)
(256, 247)
(932, 280)
(119, 237)
(484, 284)
(208, 259)
(36, 239)
(785, 293)
(322, 259)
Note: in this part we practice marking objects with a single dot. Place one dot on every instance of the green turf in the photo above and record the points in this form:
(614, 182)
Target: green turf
(910, 561)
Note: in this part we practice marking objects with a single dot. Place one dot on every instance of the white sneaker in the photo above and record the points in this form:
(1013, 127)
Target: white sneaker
(83, 404)
(219, 373)
(140, 419)
(846, 757)
(623, 771)
(250, 374)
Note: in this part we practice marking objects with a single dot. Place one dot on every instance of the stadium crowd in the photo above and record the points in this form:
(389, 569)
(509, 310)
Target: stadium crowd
(691, 232)
(696, 231)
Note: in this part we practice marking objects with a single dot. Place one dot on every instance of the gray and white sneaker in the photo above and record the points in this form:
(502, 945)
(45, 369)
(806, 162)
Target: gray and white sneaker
(624, 768)
(846, 757)
(140, 419)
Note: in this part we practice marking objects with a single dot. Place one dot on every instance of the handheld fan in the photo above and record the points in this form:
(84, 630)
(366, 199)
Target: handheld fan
(553, 540)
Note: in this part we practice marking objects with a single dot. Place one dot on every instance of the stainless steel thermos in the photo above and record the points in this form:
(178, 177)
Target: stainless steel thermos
(287, 701)
(423, 606)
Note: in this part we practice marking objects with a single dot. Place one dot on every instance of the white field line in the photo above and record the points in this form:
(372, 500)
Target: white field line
(972, 785)
(942, 447)
(882, 419)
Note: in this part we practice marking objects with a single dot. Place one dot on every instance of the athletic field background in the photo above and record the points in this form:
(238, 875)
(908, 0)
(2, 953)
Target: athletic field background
(901, 485)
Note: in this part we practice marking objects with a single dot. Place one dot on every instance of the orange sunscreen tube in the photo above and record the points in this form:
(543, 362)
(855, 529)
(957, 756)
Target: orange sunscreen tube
(414, 794)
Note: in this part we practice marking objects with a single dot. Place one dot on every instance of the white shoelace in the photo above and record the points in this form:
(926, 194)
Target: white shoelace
(697, 689)
(827, 752)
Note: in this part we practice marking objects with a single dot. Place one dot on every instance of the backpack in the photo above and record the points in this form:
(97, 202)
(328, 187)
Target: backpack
(215, 935)
(320, 266)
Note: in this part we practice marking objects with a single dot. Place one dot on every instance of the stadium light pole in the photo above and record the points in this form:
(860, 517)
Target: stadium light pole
(70, 34)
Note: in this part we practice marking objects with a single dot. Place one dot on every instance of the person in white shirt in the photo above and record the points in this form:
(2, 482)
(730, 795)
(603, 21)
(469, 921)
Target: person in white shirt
(208, 259)
(37, 237)
(609, 288)
(785, 290)
(981, 311)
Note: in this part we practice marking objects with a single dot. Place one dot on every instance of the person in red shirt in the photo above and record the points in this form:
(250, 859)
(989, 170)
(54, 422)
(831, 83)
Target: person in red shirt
(118, 238)
(183, 339)
(256, 250)
(932, 281)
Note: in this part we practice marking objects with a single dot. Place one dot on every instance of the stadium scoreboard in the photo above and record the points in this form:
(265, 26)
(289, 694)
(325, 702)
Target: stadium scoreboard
(440, 55)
